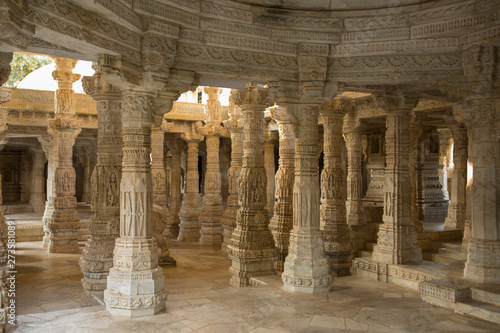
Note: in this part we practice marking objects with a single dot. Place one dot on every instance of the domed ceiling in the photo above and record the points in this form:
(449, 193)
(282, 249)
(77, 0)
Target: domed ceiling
(330, 4)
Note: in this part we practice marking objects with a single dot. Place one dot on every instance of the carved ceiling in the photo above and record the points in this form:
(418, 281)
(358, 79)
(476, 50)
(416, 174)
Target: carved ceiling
(330, 4)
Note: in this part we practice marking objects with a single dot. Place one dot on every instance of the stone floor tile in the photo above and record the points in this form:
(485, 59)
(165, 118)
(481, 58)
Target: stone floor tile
(328, 321)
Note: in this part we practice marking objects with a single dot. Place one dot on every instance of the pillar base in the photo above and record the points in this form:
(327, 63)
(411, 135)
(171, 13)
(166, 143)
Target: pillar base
(338, 248)
(136, 285)
(397, 244)
(307, 270)
(211, 230)
(243, 269)
(95, 262)
(63, 226)
(483, 261)
(456, 217)
(189, 228)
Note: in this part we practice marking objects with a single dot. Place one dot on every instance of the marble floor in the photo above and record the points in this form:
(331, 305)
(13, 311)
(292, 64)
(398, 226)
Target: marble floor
(200, 300)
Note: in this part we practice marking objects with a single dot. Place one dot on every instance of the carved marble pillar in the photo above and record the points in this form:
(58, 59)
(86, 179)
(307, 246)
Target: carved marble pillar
(97, 256)
(282, 220)
(251, 247)
(228, 219)
(444, 159)
(48, 150)
(136, 285)
(158, 173)
(269, 165)
(161, 215)
(457, 207)
(397, 236)
(211, 211)
(468, 195)
(5, 96)
(37, 199)
(175, 188)
(87, 174)
(306, 268)
(189, 228)
(483, 260)
(416, 131)
(333, 220)
(353, 137)
(63, 221)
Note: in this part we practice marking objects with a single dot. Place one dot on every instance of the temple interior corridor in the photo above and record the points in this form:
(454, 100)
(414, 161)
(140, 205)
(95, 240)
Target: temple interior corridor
(200, 300)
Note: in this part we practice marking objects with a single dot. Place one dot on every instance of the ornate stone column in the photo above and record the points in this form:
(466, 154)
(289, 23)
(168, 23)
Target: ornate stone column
(416, 131)
(228, 219)
(176, 145)
(87, 174)
(191, 204)
(158, 173)
(97, 256)
(282, 220)
(483, 260)
(161, 215)
(456, 209)
(47, 146)
(211, 230)
(306, 268)
(251, 247)
(136, 285)
(468, 195)
(353, 137)
(333, 221)
(269, 165)
(37, 199)
(63, 221)
(397, 237)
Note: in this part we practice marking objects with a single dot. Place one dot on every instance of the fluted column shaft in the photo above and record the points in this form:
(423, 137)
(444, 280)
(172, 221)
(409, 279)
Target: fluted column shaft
(306, 268)
(333, 221)
(397, 237)
(251, 247)
(282, 220)
(191, 204)
(97, 256)
(456, 209)
(136, 285)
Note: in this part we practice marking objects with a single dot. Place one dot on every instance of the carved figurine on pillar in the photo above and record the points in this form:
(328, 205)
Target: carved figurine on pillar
(211, 211)
(62, 221)
(228, 219)
(251, 247)
(282, 220)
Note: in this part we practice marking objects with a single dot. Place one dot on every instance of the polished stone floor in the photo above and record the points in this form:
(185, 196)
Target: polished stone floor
(200, 300)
